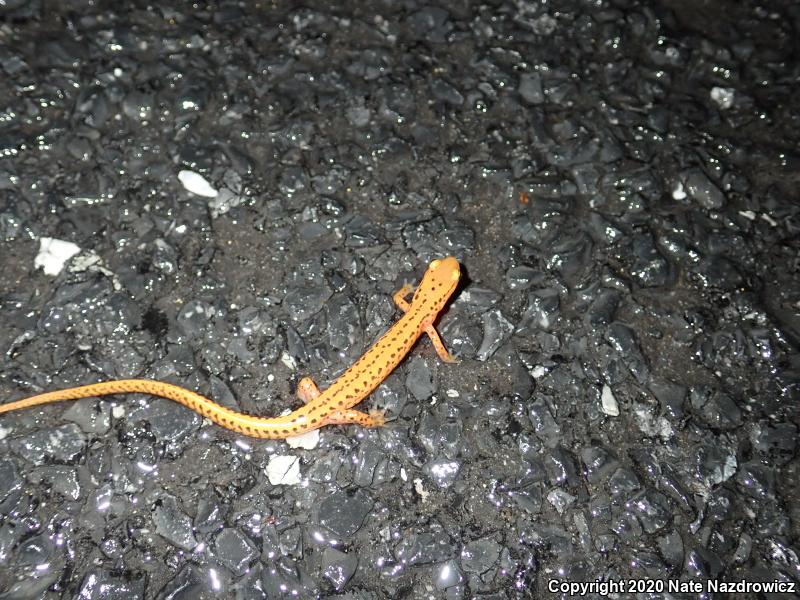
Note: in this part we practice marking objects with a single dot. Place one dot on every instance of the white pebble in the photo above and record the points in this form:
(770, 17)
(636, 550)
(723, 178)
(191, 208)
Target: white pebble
(53, 254)
(538, 372)
(724, 97)
(283, 470)
(307, 440)
(288, 360)
(197, 184)
(419, 487)
(610, 406)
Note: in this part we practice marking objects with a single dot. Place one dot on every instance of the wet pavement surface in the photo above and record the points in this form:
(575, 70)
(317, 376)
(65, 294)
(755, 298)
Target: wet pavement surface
(225, 196)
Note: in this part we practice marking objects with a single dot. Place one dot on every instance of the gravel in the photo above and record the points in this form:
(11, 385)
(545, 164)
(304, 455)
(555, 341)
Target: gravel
(225, 196)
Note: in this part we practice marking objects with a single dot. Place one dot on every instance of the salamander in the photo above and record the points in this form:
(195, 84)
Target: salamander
(330, 407)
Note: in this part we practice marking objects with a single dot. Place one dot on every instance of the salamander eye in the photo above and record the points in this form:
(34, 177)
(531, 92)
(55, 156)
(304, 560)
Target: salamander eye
(435, 263)
(455, 275)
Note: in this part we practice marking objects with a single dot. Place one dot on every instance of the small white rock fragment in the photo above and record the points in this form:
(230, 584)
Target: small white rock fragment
(419, 487)
(53, 254)
(538, 372)
(769, 219)
(724, 97)
(610, 406)
(651, 425)
(307, 440)
(83, 263)
(288, 360)
(197, 184)
(283, 469)
(678, 193)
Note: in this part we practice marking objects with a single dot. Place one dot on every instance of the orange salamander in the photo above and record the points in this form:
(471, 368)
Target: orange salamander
(331, 407)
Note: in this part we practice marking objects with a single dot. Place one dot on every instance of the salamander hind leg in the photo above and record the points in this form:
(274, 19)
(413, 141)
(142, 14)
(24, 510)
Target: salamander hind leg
(375, 418)
(400, 297)
(307, 390)
(439, 345)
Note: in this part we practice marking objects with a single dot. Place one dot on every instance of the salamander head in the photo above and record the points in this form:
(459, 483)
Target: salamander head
(439, 281)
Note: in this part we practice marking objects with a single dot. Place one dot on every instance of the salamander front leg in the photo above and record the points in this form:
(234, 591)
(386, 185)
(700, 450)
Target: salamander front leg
(307, 390)
(400, 297)
(375, 418)
(438, 345)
